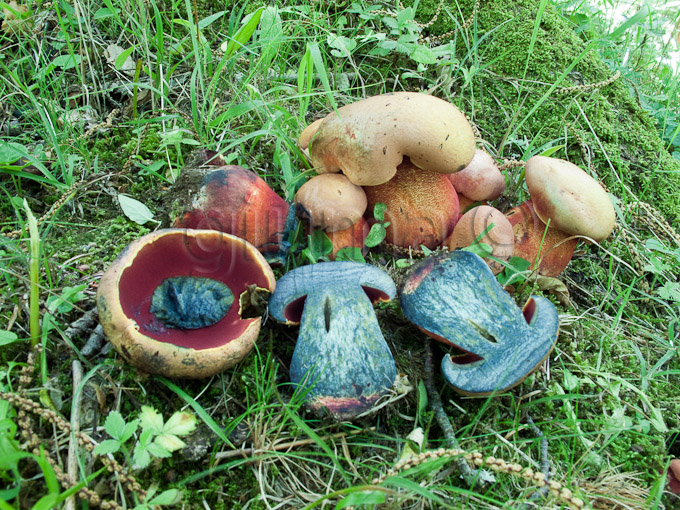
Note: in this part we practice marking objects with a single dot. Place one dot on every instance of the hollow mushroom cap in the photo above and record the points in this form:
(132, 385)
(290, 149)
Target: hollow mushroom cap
(422, 207)
(569, 198)
(340, 355)
(481, 179)
(330, 202)
(126, 291)
(368, 139)
(456, 300)
(471, 225)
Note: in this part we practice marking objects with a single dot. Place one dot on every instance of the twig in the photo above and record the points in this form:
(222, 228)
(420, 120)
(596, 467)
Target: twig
(72, 469)
(471, 476)
(252, 452)
(545, 461)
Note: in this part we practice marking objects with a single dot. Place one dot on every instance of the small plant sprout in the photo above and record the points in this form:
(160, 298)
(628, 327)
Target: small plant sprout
(157, 438)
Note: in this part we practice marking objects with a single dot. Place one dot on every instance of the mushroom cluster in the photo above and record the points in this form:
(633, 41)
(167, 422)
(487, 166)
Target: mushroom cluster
(416, 154)
(174, 302)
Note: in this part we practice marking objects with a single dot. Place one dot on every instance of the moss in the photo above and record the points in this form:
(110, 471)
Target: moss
(607, 123)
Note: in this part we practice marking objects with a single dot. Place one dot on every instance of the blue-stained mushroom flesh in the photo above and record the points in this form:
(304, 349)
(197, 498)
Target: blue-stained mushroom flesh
(191, 302)
(341, 357)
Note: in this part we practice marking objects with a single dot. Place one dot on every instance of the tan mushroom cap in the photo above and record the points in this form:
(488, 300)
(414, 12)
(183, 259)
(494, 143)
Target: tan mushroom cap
(500, 237)
(572, 200)
(368, 139)
(481, 179)
(331, 202)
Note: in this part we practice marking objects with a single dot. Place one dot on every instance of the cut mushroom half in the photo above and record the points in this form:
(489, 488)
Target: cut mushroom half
(341, 357)
(456, 300)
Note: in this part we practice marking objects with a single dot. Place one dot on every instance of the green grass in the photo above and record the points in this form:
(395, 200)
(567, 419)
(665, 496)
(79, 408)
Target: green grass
(244, 79)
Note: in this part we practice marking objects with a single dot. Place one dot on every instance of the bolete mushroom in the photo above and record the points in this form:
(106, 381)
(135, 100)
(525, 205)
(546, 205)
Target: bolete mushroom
(330, 202)
(481, 179)
(352, 237)
(571, 199)
(499, 235)
(368, 139)
(422, 206)
(233, 200)
(341, 356)
(456, 300)
(534, 240)
(172, 302)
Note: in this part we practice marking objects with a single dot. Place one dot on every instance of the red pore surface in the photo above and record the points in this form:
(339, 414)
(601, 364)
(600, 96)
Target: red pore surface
(179, 254)
(529, 310)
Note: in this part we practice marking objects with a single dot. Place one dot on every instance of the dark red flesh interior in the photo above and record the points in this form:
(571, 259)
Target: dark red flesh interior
(293, 312)
(529, 310)
(204, 254)
(460, 359)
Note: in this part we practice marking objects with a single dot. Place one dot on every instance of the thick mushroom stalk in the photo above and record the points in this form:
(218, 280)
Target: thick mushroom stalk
(457, 300)
(341, 356)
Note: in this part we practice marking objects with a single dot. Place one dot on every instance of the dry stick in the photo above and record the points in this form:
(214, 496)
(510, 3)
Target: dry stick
(471, 476)
(545, 461)
(252, 452)
(72, 469)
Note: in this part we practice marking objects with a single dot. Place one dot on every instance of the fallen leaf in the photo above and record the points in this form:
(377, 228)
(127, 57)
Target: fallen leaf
(17, 19)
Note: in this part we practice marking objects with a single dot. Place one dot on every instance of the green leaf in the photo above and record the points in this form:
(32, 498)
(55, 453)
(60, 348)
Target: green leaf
(350, 253)
(66, 61)
(379, 211)
(570, 382)
(65, 302)
(120, 59)
(209, 20)
(141, 457)
(158, 451)
(643, 13)
(361, 498)
(7, 337)
(129, 429)
(423, 55)
(169, 497)
(244, 33)
(422, 398)
(319, 246)
(323, 74)
(376, 235)
(170, 442)
(180, 423)
(151, 419)
(134, 209)
(47, 502)
(104, 13)
(107, 446)
(481, 249)
(114, 424)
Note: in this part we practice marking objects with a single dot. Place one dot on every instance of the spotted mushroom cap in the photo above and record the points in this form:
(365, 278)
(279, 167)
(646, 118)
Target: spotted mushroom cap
(368, 139)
